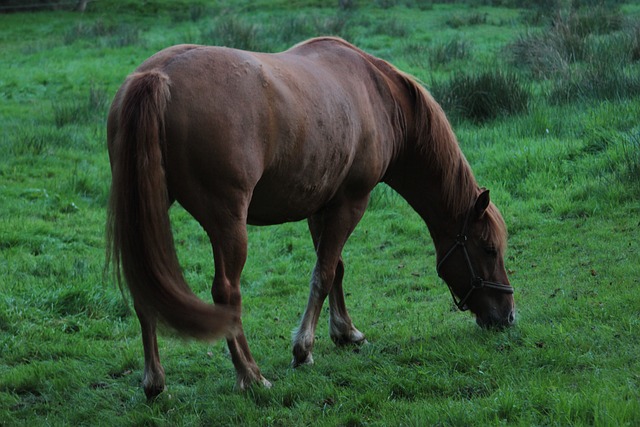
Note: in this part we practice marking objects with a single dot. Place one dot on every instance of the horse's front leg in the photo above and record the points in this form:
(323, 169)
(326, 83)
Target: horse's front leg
(330, 230)
(153, 380)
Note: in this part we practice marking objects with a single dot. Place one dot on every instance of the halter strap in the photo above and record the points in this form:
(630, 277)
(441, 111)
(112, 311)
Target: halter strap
(476, 282)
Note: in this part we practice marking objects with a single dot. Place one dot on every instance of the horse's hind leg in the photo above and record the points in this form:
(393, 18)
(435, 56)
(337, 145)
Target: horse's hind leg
(330, 230)
(153, 380)
(341, 327)
(229, 240)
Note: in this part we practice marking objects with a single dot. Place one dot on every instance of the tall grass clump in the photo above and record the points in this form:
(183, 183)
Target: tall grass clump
(38, 140)
(193, 13)
(437, 54)
(627, 158)
(608, 73)
(81, 111)
(294, 29)
(106, 34)
(566, 40)
(237, 33)
(455, 49)
(483, 96)
(597, 84)
(586, 52)
(458, 21)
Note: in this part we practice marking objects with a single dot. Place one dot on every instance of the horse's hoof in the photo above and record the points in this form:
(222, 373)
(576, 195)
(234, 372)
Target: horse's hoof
(305, 360)
(355, 337)
(265, 383)
(243, 383)
(153, 391)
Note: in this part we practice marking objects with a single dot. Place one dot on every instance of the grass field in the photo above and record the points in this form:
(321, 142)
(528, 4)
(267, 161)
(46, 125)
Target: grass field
(558, 144)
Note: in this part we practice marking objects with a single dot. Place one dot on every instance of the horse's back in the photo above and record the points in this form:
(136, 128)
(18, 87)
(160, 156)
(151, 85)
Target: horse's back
(289, 130)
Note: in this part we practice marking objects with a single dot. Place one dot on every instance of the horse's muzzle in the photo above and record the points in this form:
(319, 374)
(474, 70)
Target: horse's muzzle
(497, 320)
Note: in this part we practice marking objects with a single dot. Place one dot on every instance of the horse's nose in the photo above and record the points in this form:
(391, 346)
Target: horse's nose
(497, 320)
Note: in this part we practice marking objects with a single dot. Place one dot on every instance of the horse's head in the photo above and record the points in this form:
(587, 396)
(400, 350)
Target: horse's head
(472, 264)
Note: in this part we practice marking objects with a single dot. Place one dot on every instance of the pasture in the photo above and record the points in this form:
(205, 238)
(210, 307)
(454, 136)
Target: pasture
(546, 104)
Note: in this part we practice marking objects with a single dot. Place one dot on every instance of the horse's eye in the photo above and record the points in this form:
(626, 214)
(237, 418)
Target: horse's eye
(491, 250)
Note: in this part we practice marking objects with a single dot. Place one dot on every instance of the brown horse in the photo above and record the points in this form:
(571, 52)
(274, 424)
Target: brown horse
(243, 138)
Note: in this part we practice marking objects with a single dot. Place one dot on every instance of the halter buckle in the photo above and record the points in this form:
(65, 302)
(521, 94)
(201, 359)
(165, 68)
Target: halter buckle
(461, 239)
(477, 282)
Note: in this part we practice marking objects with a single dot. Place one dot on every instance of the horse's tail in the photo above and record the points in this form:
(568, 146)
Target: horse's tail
(139, 240)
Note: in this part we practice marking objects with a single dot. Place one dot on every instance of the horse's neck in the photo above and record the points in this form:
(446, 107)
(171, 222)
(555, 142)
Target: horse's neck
(429, 170)
(426, 188)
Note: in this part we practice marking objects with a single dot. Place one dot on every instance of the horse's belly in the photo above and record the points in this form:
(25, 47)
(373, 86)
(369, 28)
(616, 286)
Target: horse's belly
(276, 202)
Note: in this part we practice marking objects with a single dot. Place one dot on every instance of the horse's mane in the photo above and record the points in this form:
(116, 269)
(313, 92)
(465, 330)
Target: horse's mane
(436, 140)
(436, 137)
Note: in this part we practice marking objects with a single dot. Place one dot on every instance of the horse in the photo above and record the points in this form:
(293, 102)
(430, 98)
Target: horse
(239, 138)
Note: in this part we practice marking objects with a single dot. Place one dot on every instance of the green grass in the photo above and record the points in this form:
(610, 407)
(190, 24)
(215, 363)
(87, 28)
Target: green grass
(564, 171)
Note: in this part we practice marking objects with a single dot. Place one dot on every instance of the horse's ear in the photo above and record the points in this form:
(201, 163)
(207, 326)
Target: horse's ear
(482, 203)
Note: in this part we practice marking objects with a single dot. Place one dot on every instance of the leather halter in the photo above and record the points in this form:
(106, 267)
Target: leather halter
(477, 282)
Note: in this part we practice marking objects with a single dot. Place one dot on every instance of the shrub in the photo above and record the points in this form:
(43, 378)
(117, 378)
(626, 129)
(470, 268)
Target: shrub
(482, 97)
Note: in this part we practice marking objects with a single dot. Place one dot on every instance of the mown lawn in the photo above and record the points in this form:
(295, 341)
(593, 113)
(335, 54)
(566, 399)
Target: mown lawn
(563, 167)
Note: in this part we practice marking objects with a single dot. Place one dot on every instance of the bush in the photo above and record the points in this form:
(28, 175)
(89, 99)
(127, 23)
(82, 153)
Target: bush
(482, 97)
